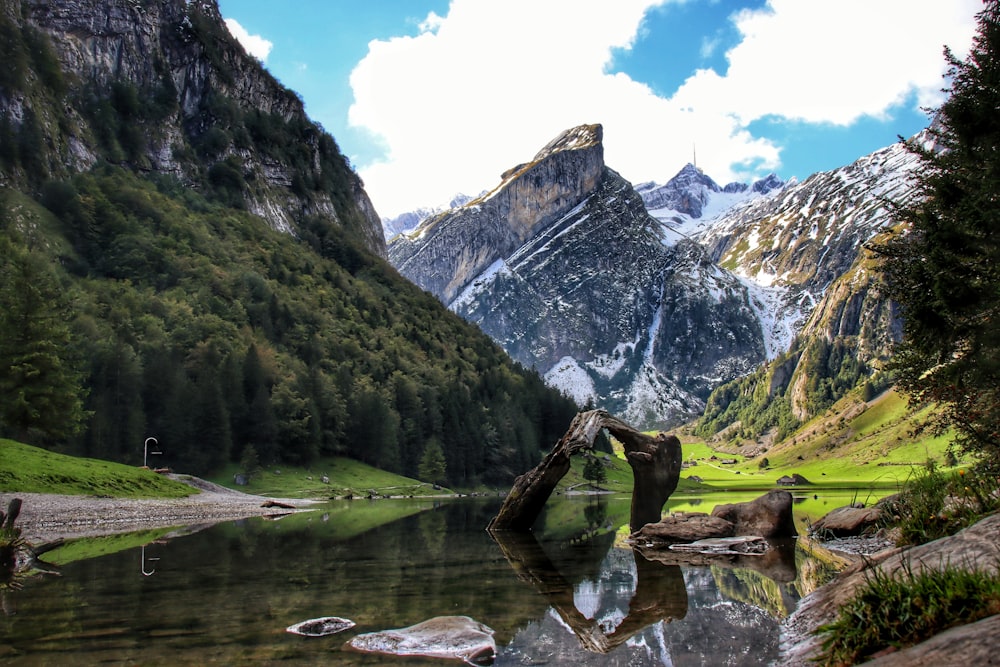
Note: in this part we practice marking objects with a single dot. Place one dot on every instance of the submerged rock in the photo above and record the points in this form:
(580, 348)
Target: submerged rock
(452, 637)
(742, 545)
(320, 627)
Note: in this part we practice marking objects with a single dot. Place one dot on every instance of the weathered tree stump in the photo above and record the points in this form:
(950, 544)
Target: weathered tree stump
(655, 461)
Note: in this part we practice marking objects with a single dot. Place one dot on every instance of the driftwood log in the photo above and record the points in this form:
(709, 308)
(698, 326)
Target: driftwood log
(655, 461)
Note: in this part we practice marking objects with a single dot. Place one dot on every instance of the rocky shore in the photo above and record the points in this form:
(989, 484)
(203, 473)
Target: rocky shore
(48, 517)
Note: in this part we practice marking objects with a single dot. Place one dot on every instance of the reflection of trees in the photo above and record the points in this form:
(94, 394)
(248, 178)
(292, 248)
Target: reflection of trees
(595, 514)
(660, 593)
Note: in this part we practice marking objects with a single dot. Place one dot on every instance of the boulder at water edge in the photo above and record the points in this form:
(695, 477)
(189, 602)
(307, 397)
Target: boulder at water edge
(769, 516)
(454, 637)
(683, 527)
(847, 522)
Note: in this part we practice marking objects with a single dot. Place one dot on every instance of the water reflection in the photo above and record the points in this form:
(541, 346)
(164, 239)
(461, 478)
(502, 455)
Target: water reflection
(567, 596)
(655, 593)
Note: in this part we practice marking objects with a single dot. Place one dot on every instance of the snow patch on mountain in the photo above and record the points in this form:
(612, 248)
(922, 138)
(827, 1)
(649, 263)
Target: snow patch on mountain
(479, 284)
(572, 380)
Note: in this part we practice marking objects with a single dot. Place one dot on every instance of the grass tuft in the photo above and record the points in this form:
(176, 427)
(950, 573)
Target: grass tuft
(891, 612)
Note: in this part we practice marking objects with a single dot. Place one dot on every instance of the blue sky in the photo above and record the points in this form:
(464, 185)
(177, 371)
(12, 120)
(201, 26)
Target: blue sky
(429, 98)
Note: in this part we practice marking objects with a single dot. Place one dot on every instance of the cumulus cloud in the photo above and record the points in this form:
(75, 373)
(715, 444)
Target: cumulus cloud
(484, 87)
(255, 45)
(833, 62)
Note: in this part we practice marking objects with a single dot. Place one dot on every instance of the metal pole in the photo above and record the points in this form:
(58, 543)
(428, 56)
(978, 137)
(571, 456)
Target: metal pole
(145, 450)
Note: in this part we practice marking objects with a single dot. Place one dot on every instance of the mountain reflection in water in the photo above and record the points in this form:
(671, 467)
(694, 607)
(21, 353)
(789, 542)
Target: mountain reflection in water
(564, 595)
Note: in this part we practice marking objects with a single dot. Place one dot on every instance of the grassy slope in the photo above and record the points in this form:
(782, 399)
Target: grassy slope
(852, 445)
(28, 469)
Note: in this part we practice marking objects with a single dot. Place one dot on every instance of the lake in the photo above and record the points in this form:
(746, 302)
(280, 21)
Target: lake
(570, 593)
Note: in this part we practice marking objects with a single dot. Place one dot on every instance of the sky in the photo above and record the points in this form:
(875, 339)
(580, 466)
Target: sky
(431, 98)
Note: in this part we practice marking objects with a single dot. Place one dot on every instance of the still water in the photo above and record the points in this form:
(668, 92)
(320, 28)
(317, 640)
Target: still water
(571, 593)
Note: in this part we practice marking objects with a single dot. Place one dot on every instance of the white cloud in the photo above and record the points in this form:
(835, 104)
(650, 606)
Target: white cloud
(255, 45)
(833, 62)
(484, 87)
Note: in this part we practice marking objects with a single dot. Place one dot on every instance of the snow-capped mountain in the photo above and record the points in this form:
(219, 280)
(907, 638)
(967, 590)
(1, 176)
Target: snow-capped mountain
(564, 267)
(408, 221)
(804, 248)
(691, 200)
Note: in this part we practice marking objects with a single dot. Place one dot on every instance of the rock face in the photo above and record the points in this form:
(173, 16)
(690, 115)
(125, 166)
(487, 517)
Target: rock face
(447, 251)
(562, 265)
(196, 107)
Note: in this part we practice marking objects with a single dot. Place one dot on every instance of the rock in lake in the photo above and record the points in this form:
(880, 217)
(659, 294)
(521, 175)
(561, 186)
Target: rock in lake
(769, 516)
(320, 627)
(846, 522)
(451, 637)
(727, 546)
(684, 527)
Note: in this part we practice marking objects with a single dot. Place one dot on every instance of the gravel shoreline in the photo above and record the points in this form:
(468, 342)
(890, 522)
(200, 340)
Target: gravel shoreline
(47, 517)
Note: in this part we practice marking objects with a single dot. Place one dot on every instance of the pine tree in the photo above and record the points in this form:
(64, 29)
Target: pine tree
(943, 267)
(41, 384)
(432, 464)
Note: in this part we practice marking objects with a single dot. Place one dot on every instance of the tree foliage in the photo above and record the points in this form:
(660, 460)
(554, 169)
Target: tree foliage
(943, 265)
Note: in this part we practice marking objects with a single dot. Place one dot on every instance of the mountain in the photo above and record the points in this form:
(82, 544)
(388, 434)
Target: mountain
(646, 300)
(807, 247)
(692, 195)
(563, 266)
(408, 221)
(185, 255)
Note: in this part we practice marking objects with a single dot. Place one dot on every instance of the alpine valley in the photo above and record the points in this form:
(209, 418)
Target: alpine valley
(646, 299)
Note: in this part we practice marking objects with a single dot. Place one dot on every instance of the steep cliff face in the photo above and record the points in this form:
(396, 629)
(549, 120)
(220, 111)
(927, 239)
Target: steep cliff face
(447, 251)
(161, 86)
(563, 266)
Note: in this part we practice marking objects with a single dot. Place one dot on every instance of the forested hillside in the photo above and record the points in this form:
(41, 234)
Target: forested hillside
(145, 292)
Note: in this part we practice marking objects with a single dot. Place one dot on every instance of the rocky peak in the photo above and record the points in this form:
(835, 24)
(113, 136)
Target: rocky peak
(448, 250)
(686, 193)
(767, 184)
(562, 265)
